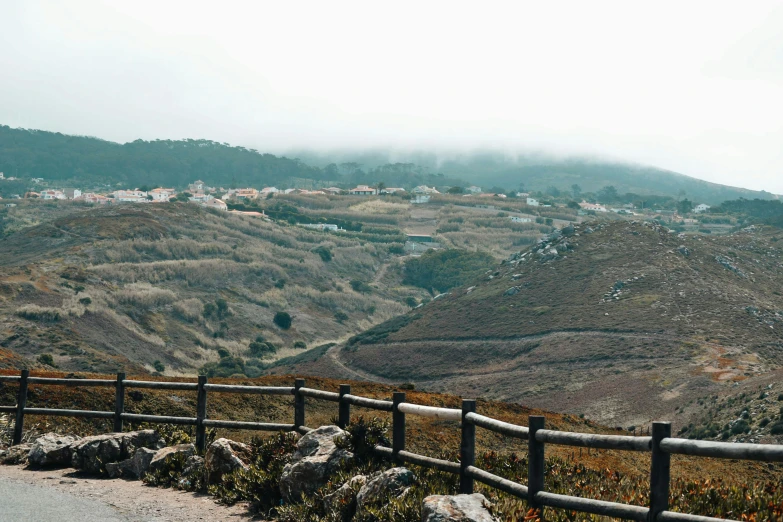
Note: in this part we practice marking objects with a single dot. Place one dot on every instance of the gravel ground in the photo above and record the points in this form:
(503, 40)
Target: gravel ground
(62, 495)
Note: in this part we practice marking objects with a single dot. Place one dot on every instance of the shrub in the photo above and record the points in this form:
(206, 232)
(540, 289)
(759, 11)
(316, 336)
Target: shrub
(361, 436)
(445, 269)
(283, 320)
(324, 252)
(47, 359)
(777, 428)
(85, 301)
(780, 397)
(360, 286)
(159, 367)
(300, 345)
(741, 426)
(411, 301)
(340, 316)
(397, 248)
(261, 349)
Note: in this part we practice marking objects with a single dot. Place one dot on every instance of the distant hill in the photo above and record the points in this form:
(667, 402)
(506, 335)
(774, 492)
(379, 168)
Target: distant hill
(55, 156)
(538, 172)
(621, 321)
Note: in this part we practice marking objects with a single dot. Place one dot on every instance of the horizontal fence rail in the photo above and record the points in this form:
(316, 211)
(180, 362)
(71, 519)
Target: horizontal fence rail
(661, 445)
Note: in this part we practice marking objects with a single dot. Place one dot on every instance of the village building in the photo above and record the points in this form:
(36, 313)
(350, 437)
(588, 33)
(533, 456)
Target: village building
(52, 194)
(523, 194)
(162, 195)
(72, 193)
(268, 190)
(363, 190)
(335, 191)
(518, 219)
(424, 189)
(129, 196)
(197, 186)
(392, 190)
(701, 207)
(592, 206)
(419, 199)
(532, 202)
(217, 204)
(322, 226)
(244, 194)
(473, 189)
(93, 198)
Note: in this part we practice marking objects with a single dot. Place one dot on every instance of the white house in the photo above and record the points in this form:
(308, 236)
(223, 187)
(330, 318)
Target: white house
(701, 207)
(532, 202)
(333, 190)
(2, 176)
(322, 226)
(420, 198)
(363, 190)
(517, 219)
(474, 189)
(52, 194)
(424, 189)
(72, 193)
(197, 186)
(592, 206)
(392, 190)
(130, 196)
(162, 194)
(215, 203)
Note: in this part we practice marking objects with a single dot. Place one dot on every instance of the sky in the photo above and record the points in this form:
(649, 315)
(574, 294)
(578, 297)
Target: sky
(691, 86)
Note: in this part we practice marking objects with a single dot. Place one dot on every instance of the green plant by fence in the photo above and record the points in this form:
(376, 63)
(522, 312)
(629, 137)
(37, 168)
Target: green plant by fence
(660, 443)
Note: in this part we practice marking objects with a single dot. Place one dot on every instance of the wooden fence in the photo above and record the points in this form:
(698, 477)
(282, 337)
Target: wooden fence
(661, 444)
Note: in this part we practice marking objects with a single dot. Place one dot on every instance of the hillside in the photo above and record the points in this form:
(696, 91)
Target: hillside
(538, 172)
(623, 322)
(87, 160)
(172, 288)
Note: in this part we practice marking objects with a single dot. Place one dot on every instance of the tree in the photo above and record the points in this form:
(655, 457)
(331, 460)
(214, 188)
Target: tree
(576, 191)
(608, 194)
(455, 190)
(380, 186)
(553, 191)
(444, 269)
(283, 320)
(685, 206)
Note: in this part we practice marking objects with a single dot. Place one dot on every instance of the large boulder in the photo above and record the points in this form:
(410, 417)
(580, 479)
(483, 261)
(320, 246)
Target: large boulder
(51, 449)
(343, 499)
(224, 456)
(166, 455)
(456, 508)
(91, 454)
(316, 458)
(134, 467)
(384, 485)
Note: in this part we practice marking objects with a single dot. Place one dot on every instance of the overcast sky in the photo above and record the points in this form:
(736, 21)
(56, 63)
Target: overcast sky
(695, 87)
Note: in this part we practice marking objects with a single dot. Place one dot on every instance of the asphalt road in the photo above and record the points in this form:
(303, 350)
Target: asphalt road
(21, 502)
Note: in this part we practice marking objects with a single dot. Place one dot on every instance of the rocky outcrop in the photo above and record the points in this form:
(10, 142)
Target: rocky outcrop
(134, 467)
(315, 459)
(385, 485)
(51, 449)
(165, 455)
(224, 456)
(456, 508)
(91, 454)
(343, 500)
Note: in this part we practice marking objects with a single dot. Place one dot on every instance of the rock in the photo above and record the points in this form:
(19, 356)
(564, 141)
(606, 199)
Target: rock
(224, 456)
(136, 466)
(516, 276)
(456, 508)
(192, 465)
(390, 483)
(512, 291)
(51, 449)
(315, 459)
(568, 230)
(91, 454)
(684, 251)
(343, 500)
(163, 456)
(16, 454)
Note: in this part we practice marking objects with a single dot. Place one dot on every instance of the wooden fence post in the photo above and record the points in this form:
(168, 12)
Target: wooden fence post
(535, 462)
(660, 469)
(467, 449)
(201, 414)
(398, 424)
(344, 416)
(299, 404)
(21, 402)
(119, 402)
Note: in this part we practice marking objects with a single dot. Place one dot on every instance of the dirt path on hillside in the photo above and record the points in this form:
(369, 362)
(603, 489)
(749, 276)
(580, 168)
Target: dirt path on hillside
(353, 373)
(125, 500)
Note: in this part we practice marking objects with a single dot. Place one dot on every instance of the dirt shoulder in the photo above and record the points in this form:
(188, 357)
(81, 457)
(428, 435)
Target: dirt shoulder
(130, 499)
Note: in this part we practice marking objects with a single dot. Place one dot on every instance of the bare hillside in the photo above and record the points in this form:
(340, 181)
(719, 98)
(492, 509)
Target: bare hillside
(623, 322)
